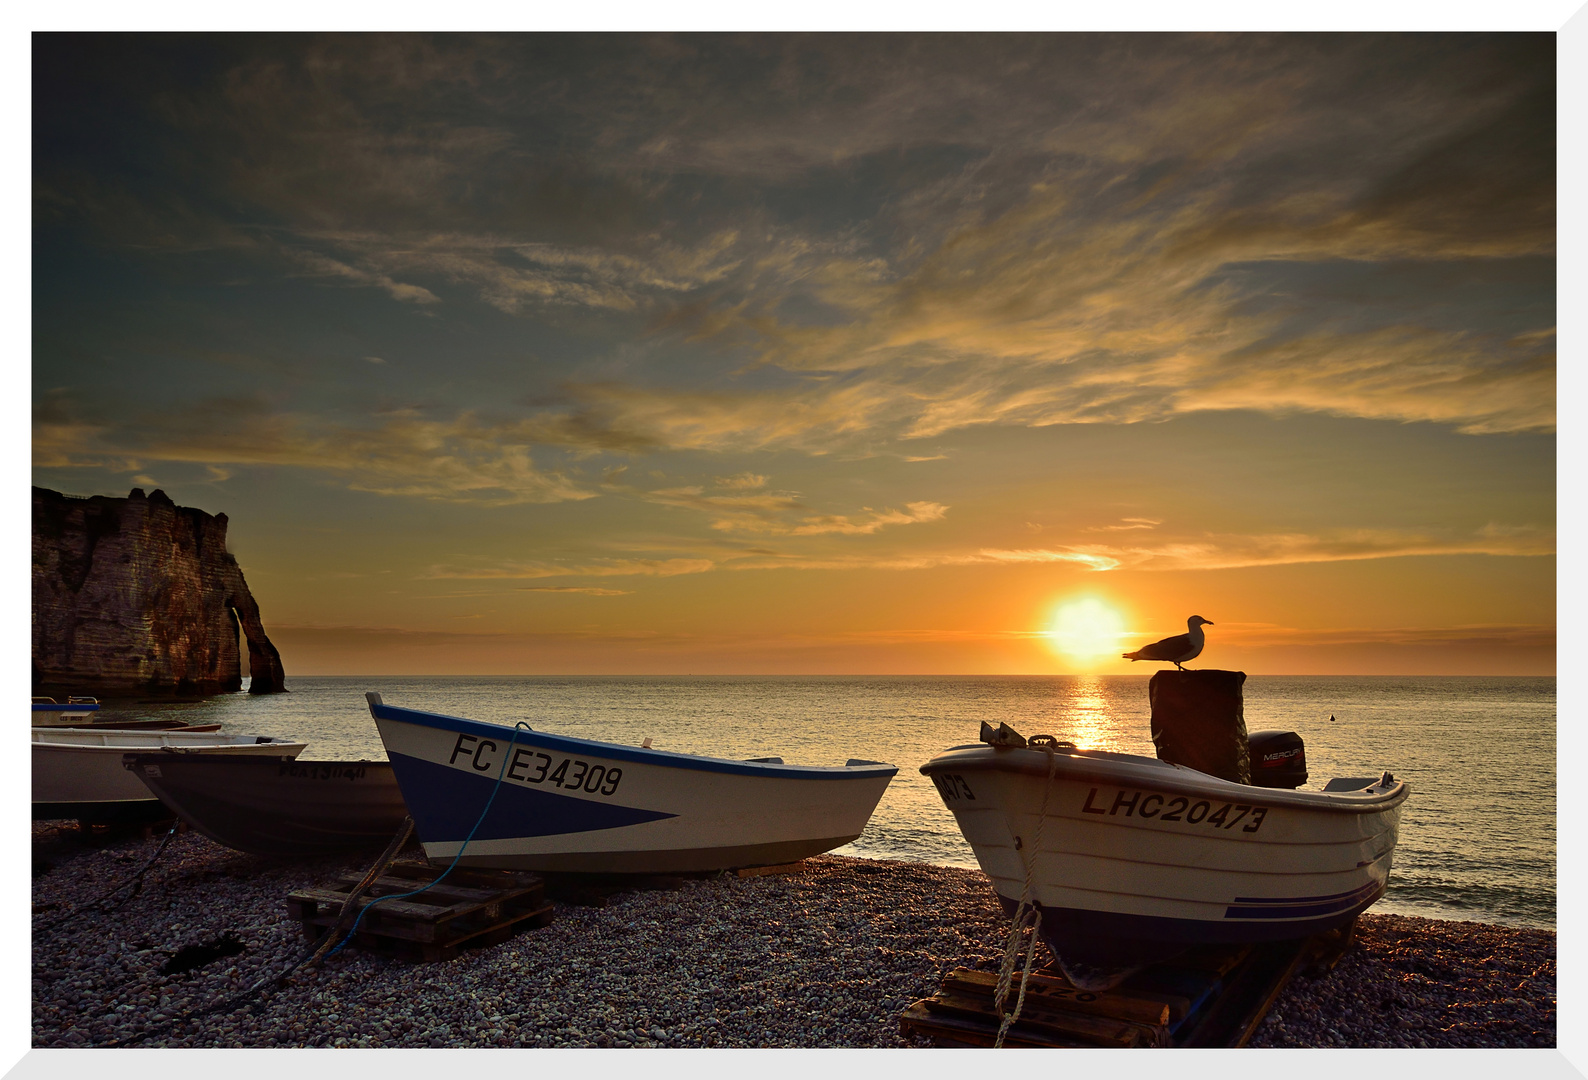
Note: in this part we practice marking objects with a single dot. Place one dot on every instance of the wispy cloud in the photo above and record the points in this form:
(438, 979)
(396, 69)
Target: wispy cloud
(1024, 249)
(585, 589)
(783, 513)
(464, 459)
(587, 568)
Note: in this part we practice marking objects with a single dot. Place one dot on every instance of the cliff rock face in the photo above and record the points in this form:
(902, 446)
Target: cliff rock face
(139, 594)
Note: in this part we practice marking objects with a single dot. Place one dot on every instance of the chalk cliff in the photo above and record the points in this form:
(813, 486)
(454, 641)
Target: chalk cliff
(139, 594)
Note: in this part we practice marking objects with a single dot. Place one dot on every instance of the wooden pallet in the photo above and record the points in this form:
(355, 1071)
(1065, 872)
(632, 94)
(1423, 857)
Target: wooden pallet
(763, 871)
(471, 909)
(1210, 996)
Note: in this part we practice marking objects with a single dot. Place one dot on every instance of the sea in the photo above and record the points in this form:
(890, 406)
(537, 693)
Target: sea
(1477, 836)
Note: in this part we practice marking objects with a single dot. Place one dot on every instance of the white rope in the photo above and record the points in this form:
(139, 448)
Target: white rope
(1026, 909)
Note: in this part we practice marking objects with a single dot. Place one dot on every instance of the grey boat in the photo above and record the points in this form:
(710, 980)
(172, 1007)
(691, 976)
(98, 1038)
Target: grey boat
(278, 806)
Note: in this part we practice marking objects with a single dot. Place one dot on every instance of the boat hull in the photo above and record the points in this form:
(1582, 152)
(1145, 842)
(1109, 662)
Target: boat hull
(78, 773)
(1136, 859)
(579, 806)
(277, 805)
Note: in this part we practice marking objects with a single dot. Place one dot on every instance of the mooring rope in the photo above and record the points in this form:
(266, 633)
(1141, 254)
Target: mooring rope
(1024, 910)
(500, 773)
(136, 881)
(310, 955)
(321, 948)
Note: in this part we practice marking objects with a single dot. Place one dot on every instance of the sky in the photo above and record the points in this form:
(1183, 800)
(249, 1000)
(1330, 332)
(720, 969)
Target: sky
(829, 354)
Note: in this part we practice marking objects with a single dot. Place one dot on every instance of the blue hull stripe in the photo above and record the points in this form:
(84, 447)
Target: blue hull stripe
(1301, 907)
(446, 802)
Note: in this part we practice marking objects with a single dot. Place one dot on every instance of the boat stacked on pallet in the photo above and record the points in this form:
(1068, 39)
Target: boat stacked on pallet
(513, 798)
(1130, 860)
(78, 773)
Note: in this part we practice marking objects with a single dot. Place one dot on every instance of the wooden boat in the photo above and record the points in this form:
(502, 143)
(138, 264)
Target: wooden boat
(269, 805)
(1132, 860)
(78, 773)
(565, 804)
(79, 712)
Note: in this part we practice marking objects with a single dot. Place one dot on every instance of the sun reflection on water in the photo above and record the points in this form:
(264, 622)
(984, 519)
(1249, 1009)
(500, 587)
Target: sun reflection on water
(1087, 721)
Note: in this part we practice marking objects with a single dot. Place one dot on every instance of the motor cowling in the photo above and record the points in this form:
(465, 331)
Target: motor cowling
(1279, 759)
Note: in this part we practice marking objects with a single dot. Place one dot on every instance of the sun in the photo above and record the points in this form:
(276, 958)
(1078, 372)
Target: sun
(1086, 630)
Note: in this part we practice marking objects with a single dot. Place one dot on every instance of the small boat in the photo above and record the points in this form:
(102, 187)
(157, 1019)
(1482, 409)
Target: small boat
(47, 712)
(277, 805)
(575, 805)
(1132, 860)
(78, 774)
(78, 712)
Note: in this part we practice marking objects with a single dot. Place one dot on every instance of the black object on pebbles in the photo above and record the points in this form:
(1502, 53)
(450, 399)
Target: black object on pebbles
(827, 957)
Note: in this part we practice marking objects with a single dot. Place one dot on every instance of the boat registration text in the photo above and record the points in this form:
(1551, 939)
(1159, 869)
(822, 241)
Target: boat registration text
(533, 767)
(1151, 804)
(1142, 804)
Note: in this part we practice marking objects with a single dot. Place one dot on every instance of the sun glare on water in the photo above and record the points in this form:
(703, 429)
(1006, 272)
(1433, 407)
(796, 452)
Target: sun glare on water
(1087, 630)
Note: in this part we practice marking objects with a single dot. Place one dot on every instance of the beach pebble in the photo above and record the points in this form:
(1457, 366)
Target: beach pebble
(826, 957)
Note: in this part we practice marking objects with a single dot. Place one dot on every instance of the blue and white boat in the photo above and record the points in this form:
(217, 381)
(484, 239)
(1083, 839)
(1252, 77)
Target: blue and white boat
(1130, 860)
(574, 805)
(47, 712)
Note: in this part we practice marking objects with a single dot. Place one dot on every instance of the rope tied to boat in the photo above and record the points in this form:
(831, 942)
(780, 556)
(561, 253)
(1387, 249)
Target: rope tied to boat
(500, 773)
(321, 949)
(1027, 908)
(136, 881)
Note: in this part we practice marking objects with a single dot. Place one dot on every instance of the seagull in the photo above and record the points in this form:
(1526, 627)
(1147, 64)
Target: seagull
(1178, 649)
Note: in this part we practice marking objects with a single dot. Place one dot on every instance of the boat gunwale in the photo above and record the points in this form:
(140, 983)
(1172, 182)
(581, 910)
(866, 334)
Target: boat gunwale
(1147, 772)
(666, 759)
(211, 738)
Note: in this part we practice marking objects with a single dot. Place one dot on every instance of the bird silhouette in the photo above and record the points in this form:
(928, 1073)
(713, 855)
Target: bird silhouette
(1178, 649)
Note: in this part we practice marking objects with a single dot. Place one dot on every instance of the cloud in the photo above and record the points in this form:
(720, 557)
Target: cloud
(857, 241)
(1218, 552)
(1266, 634)
(589, 568)
(782, 513)
(741, 481)
(587, 590)
(464, 459)
(1129, 524)
(317, 265)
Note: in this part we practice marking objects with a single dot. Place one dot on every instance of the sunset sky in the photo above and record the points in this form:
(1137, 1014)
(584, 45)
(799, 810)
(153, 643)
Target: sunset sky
(829, 354)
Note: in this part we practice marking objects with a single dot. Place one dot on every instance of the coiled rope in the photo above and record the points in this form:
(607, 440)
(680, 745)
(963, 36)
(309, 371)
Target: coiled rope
(1026, 910)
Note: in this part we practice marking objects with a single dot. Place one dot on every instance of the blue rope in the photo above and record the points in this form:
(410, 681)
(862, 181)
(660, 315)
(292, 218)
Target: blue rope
(478, 822)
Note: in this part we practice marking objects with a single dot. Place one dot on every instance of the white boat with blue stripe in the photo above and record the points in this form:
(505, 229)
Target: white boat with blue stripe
(571, 805)
(1131, 860)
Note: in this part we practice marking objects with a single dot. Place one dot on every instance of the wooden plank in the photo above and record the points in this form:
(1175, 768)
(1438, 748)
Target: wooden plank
(451, 892)
(459, 898)
(762, 871)
(1248, 993)
(1061, 994)
(1098, 1030)
(951, 1030)
(380, 940)
(399, 918)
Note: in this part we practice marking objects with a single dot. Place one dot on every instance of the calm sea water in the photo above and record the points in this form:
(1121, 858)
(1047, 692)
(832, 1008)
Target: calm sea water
(1477, 836)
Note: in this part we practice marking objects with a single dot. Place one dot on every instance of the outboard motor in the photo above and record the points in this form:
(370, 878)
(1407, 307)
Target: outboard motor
(1279, 759)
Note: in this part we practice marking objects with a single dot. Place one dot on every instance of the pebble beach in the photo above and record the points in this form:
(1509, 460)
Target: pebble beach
(828, 956)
